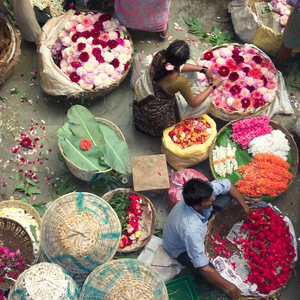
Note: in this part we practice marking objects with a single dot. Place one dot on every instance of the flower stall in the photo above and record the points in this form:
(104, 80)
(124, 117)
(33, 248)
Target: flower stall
(92, 146)
(10, 47)
(137, 216)
(249, 81)
(44, 281)
(83, 53)
(256, 154)
(16, 251)
(258, 255)
(187, 142)
(127, 277)
(260, 22)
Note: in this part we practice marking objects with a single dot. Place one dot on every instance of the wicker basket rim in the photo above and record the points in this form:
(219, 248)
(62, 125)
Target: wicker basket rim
(293, 145)
(7, 57)
(110, 124)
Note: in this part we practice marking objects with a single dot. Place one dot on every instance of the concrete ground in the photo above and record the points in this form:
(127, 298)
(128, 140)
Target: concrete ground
(22, 100)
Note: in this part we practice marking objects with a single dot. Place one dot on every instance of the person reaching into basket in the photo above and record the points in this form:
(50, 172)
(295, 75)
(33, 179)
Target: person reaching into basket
(185, 229)
(164, 96)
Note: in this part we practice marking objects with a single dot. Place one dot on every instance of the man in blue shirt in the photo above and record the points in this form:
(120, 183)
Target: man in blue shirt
(186, 225)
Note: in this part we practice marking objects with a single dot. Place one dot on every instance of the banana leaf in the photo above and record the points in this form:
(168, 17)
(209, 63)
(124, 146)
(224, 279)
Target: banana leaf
(117, 153)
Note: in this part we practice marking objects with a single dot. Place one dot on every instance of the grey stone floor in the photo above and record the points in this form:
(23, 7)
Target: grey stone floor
(116, 107)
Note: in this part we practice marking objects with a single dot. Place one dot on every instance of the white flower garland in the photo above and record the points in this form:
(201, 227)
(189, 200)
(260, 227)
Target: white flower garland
(275, 143)
(223, 159)
(55, 6)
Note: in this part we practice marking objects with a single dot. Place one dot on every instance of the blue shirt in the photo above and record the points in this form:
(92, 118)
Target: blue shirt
(185, 228)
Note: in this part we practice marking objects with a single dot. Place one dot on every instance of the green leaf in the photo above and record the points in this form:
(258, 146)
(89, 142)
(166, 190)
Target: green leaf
(21, 186)
(188, 21)
(117, 153)
(30, 181)
(40, 207)
(33, 231)
(16, 176)
(33, 191)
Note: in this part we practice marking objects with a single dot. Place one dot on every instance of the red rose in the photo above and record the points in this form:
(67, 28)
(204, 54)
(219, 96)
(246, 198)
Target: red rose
(246, 70)
(235, 89)
(98, 25)
(100, 59)
(233, 76)
(224, 71)
(126, 66)
(86, 34)
(258, 103)
(250, 88)
(208, 55)
(103, 44)
(112, 44)
(95, 33)
(76, 36)
(74, 77)
(105, 17)
(76, 64)
(81, 46)
(115, 63)
(96, 52)
(96, 42)
(84, 56)
(257, 59)
(238, 59)
(85, 144)
(26, 142)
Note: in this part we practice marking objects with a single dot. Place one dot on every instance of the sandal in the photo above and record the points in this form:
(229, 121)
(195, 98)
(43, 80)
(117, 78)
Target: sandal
(164, 34)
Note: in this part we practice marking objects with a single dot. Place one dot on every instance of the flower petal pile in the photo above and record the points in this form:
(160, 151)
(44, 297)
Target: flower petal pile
(93, 50)
(190, 132)
(268, 249)
(266, 174)
(248, 79)
(283, 9)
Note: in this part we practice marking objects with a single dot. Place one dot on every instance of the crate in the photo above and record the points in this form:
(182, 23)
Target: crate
(182, 288)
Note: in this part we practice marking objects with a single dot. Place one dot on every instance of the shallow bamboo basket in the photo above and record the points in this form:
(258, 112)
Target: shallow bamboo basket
(226, 115)
(147, 221)
(88, 175)
(85, 234)
(293, 145)
(44, 281)
(14, 236)
(124, 278)
(220, 224)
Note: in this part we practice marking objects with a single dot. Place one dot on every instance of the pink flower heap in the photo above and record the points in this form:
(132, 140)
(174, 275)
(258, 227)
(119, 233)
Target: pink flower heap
(248, 79)
(93, 50)
(245, 130)
(283, 9)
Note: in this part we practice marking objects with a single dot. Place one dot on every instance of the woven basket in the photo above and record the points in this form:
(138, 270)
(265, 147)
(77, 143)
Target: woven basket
(226, 115)
(147, 221)
(88, 175)
(44, 281)
(14, 237)
(10, 47)
(85, 234)
(276, 126)
(220, 224)
(126, 279)
(30, 210)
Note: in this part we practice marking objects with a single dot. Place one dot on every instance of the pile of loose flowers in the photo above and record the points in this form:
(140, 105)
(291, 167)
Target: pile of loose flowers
(248, 79)
(256, 157)
(283, 9)
(93, 50)
(189, 132)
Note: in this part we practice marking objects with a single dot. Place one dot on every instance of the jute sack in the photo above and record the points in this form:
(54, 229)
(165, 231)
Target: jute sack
(252, 26)
(183, 158)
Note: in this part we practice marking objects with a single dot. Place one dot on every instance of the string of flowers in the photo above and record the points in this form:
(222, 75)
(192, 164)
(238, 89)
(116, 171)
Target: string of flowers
(268, 249)
(266, 174)
(56, 7)
(189, 132)
(223, 159)
(11, 262)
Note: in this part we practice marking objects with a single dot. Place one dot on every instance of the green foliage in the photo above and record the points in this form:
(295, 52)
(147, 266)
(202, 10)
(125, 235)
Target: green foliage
(214, 36)
(120, 203)
(267, 9)
(108, 149)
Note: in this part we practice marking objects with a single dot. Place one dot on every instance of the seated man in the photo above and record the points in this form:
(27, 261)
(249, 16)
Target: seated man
(185, 229)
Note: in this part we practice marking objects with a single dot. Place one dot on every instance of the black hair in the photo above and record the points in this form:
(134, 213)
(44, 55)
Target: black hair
(177, 54)
(195, 191)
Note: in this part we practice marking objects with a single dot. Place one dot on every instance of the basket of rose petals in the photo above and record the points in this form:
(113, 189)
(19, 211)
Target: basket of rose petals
(249, 81)
(256, 154)
(260, 253)
(83, 53)
(10, 47)
(187, 142)
(137, 216)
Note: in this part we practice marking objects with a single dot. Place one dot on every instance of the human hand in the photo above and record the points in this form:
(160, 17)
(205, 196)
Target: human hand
(246, 214)
(209, 75)
(217, 81)
(232, 291)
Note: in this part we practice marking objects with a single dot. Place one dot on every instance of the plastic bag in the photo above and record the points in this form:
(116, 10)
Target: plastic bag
(177, 180)
(183, 158)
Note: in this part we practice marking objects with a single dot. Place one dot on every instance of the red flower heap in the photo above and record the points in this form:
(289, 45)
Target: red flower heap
(134, 213)
(190, 132)
(268, 249)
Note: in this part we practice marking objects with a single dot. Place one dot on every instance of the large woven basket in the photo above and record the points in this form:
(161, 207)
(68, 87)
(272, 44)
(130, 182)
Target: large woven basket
(220, 224)
(30, 211)
(44, 281)
(276, 126)
(225, 115)
(80, 231)
(14, 237)
(10, 47)
(126, 279)
(147, 221)
(88, 175)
